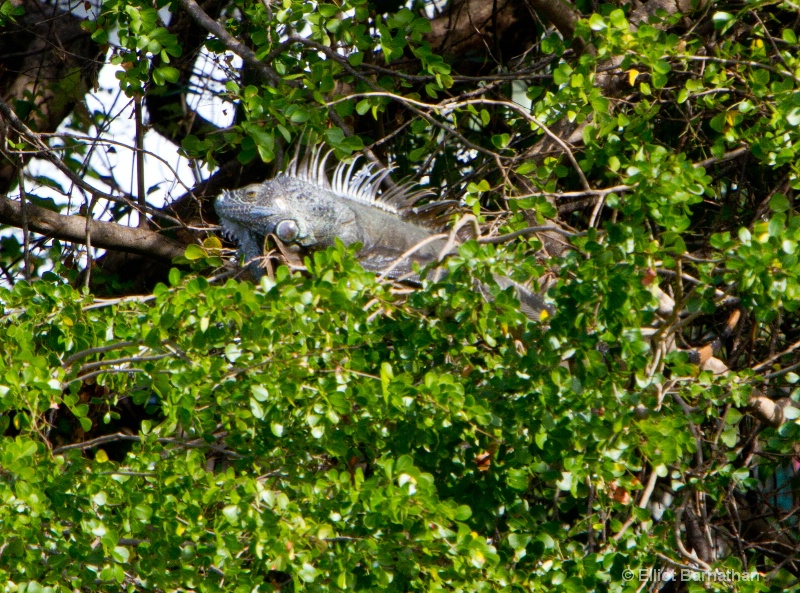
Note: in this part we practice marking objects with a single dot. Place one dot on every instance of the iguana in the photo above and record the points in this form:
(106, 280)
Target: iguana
(307, 210)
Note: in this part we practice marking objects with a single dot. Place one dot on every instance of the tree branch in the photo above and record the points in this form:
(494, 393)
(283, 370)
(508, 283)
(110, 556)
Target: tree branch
(558, 12)
(107, 235)
(769, 411)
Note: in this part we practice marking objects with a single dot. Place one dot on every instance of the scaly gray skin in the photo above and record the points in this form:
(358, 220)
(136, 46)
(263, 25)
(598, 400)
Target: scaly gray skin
(308, 211)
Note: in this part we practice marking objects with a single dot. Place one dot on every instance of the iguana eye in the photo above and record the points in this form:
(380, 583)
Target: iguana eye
(287, 230)
(251, 194)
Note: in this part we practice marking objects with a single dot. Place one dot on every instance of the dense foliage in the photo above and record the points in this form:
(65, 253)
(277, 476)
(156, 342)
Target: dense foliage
(327, 430)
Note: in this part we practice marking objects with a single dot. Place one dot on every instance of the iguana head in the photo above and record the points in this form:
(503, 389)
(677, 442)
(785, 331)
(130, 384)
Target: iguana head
(280, 207)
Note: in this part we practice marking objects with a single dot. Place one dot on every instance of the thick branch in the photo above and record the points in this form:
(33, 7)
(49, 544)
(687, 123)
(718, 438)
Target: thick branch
(47, 65)
(477, 33)
(769, 411)
(107, 235)
(558, 12)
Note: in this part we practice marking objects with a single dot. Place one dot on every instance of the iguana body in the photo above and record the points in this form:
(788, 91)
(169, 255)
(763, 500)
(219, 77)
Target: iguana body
(305, 209)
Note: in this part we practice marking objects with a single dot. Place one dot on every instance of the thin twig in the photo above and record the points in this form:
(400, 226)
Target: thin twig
(527, 232)
(775, 357)
(99, 350)
(107, 362)
(26, 240)
(137, 110)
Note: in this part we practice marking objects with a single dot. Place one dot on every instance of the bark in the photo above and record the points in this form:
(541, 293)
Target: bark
(560, 13)
(47, 65)
(477, 35)
(770, 411)
(107, 235)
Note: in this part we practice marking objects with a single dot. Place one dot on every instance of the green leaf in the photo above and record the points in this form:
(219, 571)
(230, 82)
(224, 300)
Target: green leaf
(518, 479)
(363, 106)
(169, 73)
(793, 117)
(232, 352)
(561, 75)
(779, 203)
(463, 512)
(596, 22)
(721, 19)
(617, 18)
(718, 122)
(328, 10)
(194, 252)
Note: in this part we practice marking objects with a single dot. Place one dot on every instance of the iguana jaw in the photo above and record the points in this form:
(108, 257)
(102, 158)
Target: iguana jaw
(250, 242)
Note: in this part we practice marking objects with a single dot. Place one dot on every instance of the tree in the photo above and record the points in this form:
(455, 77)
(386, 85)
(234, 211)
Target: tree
(187, 430)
